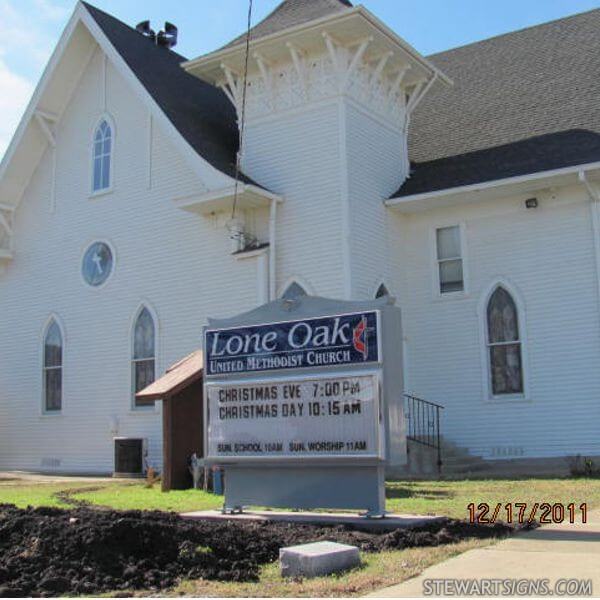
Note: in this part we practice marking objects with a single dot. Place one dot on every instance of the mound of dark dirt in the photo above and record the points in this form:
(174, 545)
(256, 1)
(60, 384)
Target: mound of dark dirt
(51, 552)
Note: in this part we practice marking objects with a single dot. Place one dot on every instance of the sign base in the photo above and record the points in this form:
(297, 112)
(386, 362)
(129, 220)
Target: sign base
(306, 487)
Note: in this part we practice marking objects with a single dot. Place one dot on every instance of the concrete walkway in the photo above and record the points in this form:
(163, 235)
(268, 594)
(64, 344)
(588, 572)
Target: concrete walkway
(552, 552)
(390, 523)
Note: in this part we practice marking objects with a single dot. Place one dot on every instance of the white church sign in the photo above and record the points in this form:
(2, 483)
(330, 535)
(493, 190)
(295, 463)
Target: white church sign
(303, 405)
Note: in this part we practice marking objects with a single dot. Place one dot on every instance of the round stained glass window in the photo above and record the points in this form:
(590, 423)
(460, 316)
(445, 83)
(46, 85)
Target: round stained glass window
(97, 264)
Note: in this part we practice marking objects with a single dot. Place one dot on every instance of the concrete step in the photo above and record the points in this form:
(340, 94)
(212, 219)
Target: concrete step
(455, 460)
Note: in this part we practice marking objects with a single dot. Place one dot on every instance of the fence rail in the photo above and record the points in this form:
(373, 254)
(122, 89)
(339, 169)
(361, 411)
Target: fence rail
(423, 423)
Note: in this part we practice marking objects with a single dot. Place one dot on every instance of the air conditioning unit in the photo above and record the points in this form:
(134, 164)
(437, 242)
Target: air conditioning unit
(130, 457)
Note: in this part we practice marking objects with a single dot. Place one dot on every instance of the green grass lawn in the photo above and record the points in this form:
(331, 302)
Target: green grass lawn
(30, 495)
(449, 498)
(122, 496)
(137, 496)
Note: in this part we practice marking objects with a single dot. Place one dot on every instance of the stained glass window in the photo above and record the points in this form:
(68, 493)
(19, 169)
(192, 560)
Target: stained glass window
(504, 344)
(143, 363)
(102, 153)
(53, 363)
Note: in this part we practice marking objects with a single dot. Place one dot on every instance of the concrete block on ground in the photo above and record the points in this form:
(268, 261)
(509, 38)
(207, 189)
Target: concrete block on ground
(317, 559)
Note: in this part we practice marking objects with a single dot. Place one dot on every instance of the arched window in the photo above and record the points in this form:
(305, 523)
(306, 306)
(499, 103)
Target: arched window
(382, 291)
(52, 367)
(294, 291)
(143, 363)
(102, 152)
(504, 344)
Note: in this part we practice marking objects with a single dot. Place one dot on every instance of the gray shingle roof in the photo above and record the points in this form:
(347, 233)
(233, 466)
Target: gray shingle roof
(291, 13)
(523, 102)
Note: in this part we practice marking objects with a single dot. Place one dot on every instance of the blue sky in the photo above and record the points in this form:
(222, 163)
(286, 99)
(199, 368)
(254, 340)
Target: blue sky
(29, 29)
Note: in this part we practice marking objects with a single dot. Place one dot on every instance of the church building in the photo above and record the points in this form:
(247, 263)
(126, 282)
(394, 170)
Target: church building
(465, 185)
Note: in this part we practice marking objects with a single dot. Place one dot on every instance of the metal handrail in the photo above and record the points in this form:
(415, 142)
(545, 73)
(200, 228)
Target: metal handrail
(423, 423)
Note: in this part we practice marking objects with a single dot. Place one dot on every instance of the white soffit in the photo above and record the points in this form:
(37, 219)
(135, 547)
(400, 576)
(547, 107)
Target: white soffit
(347, 29)
(494, 190)
(249, 197)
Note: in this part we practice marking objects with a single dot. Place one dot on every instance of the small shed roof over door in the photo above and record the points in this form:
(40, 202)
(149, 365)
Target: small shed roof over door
(177, 377)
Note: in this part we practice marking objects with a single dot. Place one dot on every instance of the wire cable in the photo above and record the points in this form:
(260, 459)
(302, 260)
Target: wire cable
(242, 116)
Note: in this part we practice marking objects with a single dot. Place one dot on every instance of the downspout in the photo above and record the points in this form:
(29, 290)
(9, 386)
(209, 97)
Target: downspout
(594, 196)
(272, 243)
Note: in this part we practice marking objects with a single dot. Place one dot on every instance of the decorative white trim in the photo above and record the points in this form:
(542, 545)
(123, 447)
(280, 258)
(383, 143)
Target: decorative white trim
(250, 253)
(299, 62)
(104, 82)
(216, 201)
(150, 165)
(488, 396)
(143, 304)
(53, 182)
(337, 70)
(45, 126)
(317, 25)
(6, 239)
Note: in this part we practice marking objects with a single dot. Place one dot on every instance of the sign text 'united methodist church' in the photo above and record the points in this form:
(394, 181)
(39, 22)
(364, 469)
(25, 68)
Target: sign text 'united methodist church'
(339, 340)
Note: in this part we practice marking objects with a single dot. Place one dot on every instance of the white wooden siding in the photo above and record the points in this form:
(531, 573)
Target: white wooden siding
(177, 262)
(374, 174)
(297, 155)
(334, 164)
(547, 255)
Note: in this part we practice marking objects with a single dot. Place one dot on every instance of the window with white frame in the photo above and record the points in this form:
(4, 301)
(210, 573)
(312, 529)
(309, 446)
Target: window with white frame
(102, 153)
(52, 368)
(449, 260)
(294, 291)
(504, 344)
(143, 363)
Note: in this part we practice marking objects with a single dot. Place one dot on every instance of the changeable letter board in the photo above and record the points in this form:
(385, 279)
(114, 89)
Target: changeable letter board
(302, 418)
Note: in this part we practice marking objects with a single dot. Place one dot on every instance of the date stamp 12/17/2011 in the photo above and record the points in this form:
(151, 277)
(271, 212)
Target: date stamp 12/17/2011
(544, 513)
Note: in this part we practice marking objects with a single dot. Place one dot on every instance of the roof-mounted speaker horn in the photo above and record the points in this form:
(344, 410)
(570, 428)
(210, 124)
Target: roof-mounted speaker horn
(145, 29)
(168, 37)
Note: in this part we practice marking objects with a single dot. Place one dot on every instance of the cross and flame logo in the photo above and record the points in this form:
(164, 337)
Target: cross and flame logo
(360, 338)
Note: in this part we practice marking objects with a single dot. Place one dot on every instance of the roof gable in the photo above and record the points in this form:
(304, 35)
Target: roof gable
(291, 13)
(200, 112)
(198, 116)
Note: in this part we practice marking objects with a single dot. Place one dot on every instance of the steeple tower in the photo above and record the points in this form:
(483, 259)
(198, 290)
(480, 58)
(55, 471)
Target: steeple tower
(306, 51)
(327, 82)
